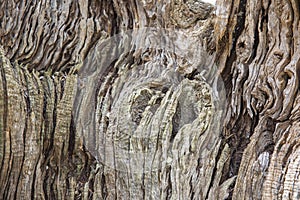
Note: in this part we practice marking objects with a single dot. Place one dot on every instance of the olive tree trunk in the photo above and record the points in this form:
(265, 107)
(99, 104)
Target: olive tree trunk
(149, 100)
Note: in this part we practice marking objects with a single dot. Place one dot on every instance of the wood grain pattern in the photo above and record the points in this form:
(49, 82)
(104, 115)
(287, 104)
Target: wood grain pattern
(121, 99)
(261, 68)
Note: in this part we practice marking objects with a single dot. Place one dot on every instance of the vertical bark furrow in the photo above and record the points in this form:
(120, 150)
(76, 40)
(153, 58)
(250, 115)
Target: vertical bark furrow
(286, 152)
(4, 109)
(109, 133)
(134, 116)
(266, 66)
(16, 124)
(33, 142)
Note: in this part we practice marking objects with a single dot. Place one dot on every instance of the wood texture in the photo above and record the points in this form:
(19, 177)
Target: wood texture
(149, 99)
(258, 44)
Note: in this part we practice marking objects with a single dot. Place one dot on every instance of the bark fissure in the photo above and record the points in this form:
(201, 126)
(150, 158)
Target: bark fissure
(123, 99)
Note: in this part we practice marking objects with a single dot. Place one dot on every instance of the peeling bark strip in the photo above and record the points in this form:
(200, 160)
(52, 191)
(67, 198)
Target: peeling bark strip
(84, 115)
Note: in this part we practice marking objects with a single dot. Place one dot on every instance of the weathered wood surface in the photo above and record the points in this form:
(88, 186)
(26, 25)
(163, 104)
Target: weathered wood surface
(260, 66)
(86, 115)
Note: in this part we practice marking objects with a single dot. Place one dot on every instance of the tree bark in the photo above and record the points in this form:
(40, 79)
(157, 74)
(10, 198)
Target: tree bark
(260, 67)
(149, 99)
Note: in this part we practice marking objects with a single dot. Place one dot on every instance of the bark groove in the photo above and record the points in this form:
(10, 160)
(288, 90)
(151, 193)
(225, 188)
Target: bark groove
(264, 81)
(124, 99)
